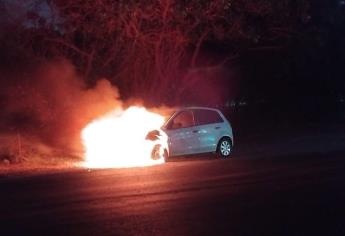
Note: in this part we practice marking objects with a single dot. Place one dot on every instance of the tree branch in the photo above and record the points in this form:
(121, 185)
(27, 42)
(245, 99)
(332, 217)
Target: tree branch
(68, 45)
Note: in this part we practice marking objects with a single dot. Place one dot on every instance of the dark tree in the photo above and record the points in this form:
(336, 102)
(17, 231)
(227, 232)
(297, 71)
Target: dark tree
(152, 48)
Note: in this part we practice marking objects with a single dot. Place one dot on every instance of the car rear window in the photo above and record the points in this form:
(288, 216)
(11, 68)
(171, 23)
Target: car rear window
(204, 117)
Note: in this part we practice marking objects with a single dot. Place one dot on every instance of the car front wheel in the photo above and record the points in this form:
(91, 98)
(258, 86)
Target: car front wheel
(159, 152)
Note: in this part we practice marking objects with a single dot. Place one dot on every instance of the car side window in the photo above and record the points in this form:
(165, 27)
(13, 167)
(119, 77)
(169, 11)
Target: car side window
(183, 120)
(204, 117)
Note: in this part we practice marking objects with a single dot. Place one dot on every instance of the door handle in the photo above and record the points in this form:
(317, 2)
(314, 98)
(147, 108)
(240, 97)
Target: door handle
(217, 127)
(195, 131)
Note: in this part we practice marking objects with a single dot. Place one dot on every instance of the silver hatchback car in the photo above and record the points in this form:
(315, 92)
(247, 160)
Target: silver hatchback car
(193, 130)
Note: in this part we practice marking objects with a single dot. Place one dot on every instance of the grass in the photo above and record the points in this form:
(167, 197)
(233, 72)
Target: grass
(23, 154)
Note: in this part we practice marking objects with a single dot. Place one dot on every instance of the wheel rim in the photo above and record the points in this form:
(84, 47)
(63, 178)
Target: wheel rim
(225, 148)
(158, 153)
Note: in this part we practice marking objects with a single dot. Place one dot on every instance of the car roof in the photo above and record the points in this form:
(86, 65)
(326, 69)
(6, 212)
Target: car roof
(196, 107)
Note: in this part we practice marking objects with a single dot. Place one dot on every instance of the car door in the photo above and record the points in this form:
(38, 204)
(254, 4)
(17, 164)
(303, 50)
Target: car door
(209, 125)
(181, 139)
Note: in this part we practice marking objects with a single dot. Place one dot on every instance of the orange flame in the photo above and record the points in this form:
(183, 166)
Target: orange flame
(118, 139)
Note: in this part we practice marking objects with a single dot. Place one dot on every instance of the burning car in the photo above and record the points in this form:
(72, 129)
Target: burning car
(193, 130)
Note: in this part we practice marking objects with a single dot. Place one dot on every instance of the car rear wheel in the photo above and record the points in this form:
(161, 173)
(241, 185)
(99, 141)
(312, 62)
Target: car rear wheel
(224, 147)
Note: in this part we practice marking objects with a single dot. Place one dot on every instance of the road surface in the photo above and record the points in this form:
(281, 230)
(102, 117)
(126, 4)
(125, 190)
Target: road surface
(287, 195)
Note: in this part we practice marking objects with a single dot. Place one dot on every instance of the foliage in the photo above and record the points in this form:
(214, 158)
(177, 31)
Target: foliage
(151, 48)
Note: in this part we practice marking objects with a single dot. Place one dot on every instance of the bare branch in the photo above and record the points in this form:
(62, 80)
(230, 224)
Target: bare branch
(68, 45)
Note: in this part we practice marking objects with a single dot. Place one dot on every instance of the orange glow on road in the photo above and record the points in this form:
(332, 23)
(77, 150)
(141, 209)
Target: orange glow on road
(118, 139)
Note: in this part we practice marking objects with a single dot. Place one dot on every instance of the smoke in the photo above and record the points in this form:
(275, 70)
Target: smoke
(49, 104)
(53, 104)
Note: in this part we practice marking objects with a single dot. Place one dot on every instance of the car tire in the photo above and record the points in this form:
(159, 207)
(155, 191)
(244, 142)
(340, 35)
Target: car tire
(224, 148)
(157, 153)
